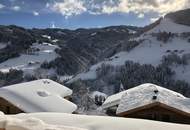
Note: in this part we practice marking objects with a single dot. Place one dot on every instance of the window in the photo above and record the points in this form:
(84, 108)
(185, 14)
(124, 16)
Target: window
(7, 109)
(166, 118)
(149, 116)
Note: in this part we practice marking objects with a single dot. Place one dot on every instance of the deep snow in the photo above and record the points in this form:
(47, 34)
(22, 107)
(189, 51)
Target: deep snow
(39, 96)
(102, 123)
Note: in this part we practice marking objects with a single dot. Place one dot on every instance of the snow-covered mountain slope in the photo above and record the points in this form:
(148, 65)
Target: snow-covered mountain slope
(101, 122)
(168, 25)
(32, 60)
(150, 50)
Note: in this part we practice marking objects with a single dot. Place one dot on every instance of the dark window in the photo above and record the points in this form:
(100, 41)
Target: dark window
(8, 110)
(166, 118)
(149, 116)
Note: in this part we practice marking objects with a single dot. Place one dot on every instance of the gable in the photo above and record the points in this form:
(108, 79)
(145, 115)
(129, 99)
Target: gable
(9, 108)
(153, 107)
(160, 112)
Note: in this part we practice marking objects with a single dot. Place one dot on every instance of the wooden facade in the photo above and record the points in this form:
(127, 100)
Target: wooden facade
(159, 112)
(8, 108)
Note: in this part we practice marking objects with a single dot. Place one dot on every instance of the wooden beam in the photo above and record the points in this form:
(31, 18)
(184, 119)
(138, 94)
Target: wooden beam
(152, 105)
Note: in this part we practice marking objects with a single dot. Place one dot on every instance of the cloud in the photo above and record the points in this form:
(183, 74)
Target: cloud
(145, 6)
(35, 13)
(139, 7)
(16, 8)
(1, 6)
(47, 5)
(69, 7)
(141, 15)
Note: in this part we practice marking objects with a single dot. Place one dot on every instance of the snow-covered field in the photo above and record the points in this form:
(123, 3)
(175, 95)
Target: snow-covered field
(101, 122)
(29, 62)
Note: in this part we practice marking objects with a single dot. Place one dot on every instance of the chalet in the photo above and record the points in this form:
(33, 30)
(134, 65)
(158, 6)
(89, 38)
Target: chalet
(36, 96)
(149, 101)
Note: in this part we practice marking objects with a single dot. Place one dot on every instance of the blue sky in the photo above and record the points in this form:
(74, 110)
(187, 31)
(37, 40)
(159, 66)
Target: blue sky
(74, 14)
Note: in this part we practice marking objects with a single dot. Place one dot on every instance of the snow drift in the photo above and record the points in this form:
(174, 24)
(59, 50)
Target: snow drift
(101, 122)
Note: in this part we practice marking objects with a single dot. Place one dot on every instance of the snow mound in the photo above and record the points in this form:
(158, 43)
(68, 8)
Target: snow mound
(12, 123)
(101, 122)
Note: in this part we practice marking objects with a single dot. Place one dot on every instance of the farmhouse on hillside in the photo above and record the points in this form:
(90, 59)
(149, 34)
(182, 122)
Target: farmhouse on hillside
(149, 101)
(36, 96)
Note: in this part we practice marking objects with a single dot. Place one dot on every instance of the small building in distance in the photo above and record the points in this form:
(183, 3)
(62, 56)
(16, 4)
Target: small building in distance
(149, 101)
(42, 95)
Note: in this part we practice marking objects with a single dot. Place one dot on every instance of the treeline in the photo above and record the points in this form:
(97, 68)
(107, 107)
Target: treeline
(17, 40)
(132, 74)
(11, 77)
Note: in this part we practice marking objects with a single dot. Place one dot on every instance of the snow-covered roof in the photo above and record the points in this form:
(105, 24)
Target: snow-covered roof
(113, 100)
(101, 122)
(39, 96)
(97, 93)
(143, 95)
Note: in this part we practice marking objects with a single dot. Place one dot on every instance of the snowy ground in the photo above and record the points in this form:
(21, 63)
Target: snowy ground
(28, 62)
(10, 123)
(101, 122)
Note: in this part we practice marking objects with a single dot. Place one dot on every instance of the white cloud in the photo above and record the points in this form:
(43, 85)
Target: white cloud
(16, 8)
(47, 5)
(141, 15)
(139, 7)
(1, 6)
(35, 13)
(145, 6)
(69, 7)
